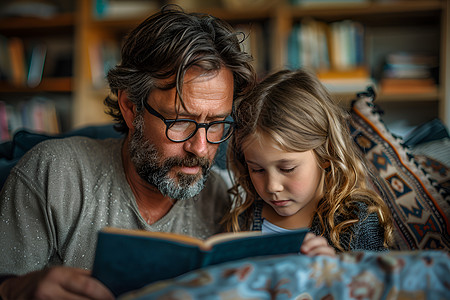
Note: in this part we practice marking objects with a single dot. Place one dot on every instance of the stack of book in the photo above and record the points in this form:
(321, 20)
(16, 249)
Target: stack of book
(409, 73)
(21, 65)
(103, 55)
(121, 9)
(38, 114)
(346, 81)
(335, 51)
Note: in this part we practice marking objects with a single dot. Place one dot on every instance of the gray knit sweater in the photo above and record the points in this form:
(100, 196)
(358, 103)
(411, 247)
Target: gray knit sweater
(365, 235)
(64, 191)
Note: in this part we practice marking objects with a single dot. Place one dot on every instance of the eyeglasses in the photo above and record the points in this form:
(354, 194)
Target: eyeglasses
(180, 130)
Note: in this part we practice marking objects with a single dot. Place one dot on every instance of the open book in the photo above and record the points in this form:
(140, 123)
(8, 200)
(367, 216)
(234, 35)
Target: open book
(129, 259)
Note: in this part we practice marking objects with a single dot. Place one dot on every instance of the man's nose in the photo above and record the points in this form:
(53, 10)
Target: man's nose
(197, 144)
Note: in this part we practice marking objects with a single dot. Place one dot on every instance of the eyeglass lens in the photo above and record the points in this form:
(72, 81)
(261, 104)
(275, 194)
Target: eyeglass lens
(183, 130)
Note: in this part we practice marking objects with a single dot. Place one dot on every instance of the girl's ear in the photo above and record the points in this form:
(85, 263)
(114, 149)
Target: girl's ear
(326, 165)
(127, 108)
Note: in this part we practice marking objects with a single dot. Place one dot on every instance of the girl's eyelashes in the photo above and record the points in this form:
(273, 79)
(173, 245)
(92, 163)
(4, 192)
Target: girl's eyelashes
(287, 170)
(256, 170)
(283, 170)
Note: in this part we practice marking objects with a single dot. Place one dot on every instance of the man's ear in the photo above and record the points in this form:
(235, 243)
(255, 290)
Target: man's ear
(127, 108)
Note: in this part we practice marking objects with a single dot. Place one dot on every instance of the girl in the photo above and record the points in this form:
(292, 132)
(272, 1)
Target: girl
(295, 165)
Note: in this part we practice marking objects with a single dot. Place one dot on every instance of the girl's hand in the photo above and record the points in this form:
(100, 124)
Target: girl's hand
(314, 245)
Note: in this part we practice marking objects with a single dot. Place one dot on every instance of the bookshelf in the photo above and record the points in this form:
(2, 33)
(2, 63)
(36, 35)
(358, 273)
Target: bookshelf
(412, 26)
(36, 78)
(390, 27)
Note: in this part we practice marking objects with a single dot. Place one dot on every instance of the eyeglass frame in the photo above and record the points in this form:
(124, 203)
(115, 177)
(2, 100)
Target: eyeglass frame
(169, 122)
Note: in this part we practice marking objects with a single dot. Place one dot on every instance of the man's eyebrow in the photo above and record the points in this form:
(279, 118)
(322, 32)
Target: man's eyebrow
(189, 115)
(222, 115)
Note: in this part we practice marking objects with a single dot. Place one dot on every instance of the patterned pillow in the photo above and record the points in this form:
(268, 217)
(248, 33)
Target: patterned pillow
(420, 206)
(439, 173)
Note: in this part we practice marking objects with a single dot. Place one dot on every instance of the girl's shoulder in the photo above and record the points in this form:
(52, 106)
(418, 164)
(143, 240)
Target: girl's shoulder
(361, 203)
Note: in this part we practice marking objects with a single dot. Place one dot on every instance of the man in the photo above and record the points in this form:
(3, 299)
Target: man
(172, 95)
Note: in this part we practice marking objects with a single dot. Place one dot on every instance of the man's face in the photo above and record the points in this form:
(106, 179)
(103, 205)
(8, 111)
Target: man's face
(179, 170)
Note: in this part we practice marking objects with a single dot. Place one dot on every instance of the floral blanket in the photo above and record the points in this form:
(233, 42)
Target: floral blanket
(357, 275)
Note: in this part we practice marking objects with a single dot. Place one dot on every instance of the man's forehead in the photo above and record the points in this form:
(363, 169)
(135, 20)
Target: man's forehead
(192, 75)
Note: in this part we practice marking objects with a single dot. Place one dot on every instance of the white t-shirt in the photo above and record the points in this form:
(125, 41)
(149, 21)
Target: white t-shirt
(268, 227)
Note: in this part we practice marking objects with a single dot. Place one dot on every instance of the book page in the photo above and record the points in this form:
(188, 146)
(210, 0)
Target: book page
(227, 236)
(181, 238)
(159, 235)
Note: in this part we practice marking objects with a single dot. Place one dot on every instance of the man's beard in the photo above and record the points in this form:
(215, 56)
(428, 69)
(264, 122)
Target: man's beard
(151, 167)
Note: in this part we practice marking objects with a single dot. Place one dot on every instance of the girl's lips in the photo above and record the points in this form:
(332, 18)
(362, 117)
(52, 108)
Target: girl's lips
(280, 202)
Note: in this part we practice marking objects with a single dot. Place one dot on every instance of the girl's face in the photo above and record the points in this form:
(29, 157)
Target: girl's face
(290, 182)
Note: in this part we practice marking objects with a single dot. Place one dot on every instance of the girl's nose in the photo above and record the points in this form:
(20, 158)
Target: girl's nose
(273, 185)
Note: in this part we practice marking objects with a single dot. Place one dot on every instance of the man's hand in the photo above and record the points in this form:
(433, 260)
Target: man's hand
(54, 283)
(314, 245)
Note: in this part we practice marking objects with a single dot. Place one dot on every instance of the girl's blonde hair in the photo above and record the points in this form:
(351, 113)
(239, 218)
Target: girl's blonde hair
(297, 112)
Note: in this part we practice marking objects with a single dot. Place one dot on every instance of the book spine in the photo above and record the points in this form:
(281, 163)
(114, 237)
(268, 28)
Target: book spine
(36, 68)
(18, 64)
(4, 129)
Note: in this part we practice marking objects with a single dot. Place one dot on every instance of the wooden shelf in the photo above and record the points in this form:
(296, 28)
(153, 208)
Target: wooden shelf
(417, 97)
(366, 9)
(233, 16)
(384, 20)
(63, 84)
(345, 99)
(30, 25)
(116, 24)
(373, 13)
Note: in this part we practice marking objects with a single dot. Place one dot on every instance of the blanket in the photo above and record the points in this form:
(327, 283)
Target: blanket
(356, 275)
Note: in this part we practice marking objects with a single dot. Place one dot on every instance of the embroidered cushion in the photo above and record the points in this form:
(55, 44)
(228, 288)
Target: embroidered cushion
(438, 172)
(420, 206)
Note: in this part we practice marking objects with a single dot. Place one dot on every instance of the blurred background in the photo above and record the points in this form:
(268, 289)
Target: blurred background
(54, 54)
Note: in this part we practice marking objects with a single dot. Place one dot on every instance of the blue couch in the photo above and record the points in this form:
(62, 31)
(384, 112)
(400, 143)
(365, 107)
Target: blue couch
(24, 140)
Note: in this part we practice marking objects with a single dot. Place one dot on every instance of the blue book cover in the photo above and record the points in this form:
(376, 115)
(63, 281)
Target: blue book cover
(126, 260)
(294, 48)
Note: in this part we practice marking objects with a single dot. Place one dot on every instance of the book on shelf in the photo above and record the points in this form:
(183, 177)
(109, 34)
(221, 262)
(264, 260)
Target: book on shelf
(409, 73)
(346, 44)
(103, 56)
(4, 128)
(123, 9)
(407, 86)
(17, 61)
(293, 48)
(346, 81)
(5, 64)
(38, 115)
(319, 45)
(409, 65)
(308, 45)
(22, 64)
(43, 116)
(36, 68)
(126, 260)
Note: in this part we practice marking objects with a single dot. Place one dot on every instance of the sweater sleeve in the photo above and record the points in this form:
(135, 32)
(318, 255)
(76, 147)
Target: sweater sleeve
(365, 235)
(368, 233)
(26, 231)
